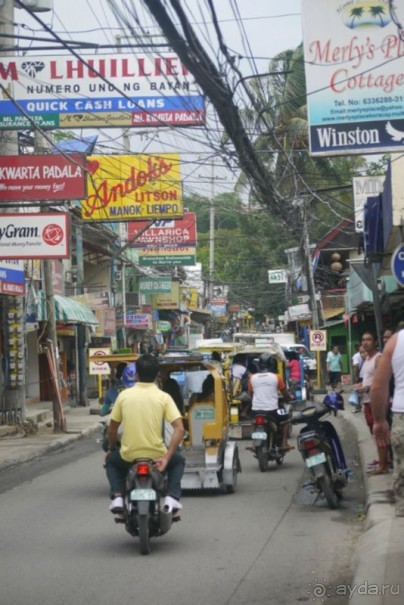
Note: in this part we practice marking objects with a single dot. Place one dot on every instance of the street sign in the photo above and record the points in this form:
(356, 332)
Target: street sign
(318, 340)
(397, 264)
(278, 276)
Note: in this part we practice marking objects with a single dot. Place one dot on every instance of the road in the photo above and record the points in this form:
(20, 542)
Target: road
(270, 542)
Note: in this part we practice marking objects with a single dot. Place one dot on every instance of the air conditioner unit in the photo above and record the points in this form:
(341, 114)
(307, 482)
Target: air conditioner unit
(37, 6)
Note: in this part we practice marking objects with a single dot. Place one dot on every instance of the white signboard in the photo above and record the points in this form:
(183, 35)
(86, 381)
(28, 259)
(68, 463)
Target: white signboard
(99, 367)
(354, 67)
(363, 187)
(278, 276)
(35, 235)
(318, 340)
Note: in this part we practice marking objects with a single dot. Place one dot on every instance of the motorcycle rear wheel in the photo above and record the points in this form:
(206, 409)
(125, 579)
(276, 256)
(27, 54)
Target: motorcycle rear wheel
(328, 491)
(144, 537)
(262, 456)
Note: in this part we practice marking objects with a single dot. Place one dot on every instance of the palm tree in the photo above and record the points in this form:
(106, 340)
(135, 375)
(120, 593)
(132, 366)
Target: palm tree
(377, 12)
(356, 13)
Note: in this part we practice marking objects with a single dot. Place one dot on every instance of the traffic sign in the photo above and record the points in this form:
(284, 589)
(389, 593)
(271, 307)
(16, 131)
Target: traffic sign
(397, 264)
(318, 340)
(99, 367)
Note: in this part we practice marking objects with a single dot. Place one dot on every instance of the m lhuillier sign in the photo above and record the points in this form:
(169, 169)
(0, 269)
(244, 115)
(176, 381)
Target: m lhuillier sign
(354, 64)
(98, 91)
(42, 177)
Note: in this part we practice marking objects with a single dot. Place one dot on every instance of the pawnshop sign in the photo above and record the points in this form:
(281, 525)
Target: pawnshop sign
(98, 91)
(34, 235)
(165, 233)
(42, 177)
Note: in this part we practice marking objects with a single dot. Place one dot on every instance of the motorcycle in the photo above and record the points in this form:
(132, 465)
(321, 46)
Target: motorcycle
(144, 515)
(321, 449)
(267, 437)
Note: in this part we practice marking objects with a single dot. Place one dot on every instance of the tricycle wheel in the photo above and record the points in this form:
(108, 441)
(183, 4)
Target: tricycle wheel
(235, 468)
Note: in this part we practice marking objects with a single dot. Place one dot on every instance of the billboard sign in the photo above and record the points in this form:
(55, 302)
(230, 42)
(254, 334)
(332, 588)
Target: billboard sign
(42, 177)
(98, 91)
(170, 300)
(12, 277)
(133, 187)
(397, 264)
(34, 235)
(140, 321)
(354, 68)
(363, 187)
(165, 233)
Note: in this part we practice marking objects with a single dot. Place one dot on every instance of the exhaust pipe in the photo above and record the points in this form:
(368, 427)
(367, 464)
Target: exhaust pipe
(166, 519)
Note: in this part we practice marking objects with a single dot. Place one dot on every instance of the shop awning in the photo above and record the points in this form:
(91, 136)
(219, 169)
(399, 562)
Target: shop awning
(67, 310)
(330, 313)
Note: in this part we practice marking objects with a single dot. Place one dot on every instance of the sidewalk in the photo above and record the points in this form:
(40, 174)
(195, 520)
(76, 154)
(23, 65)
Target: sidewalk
(379, 557)
(18, 446)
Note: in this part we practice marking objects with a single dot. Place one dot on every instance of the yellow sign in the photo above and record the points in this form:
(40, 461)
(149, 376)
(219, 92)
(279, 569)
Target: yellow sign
(168, 300)
(133, 187)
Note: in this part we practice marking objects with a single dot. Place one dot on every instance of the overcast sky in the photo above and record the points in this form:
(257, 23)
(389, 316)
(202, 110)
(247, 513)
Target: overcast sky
(255, 30)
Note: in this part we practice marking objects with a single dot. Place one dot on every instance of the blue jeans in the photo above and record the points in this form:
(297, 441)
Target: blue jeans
(117, 468)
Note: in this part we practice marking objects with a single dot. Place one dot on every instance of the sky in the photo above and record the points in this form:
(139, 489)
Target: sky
(255, 31)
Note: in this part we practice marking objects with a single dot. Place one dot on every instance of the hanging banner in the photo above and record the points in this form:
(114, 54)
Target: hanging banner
(354, 64)
(164, 234)
(98, 91)
(133, 187)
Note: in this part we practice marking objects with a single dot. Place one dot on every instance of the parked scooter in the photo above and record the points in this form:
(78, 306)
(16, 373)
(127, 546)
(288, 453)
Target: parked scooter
(267, 437)
(144, 514)
(321, 449)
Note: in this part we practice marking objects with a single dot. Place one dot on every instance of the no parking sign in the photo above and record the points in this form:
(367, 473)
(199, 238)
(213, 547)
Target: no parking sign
(318, 340)
(99, 367)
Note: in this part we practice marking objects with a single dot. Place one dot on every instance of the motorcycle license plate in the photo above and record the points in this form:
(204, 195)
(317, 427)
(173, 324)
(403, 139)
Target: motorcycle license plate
(259, 436)
(143, 494)
(316, 459)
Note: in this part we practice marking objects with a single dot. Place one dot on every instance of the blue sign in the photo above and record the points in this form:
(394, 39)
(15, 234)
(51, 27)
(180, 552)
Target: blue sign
(397, 264)
(12, 271)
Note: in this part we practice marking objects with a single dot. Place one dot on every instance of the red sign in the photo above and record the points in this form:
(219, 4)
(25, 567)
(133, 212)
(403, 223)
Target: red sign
(164, 233)
(42, 177)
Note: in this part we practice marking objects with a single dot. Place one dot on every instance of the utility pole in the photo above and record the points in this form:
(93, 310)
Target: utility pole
(13, 403)
(212, 234)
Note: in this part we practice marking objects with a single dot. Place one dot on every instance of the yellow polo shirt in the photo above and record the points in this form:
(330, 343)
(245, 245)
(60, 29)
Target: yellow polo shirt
(141, 409)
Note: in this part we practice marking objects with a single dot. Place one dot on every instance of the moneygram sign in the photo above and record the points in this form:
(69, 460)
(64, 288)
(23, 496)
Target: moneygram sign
(35, 235)
(42, 177)
(98, 91)
(133, 187)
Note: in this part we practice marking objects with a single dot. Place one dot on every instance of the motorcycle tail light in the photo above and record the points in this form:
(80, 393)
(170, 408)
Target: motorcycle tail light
(309, 444)
(143, 468)
(260, 420)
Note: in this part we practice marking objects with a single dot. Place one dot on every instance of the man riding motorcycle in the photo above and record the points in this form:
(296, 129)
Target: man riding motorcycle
(264, 387)
(142, 409)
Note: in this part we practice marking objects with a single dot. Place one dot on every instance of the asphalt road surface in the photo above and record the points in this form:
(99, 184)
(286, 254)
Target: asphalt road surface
(270, 542)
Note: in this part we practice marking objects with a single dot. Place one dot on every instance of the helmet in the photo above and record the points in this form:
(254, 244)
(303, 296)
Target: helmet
(129, 375)
(267, 362)
(334, 400)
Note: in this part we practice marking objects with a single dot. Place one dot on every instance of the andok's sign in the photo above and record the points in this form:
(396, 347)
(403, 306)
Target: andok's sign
(133, 187)
(34, 235)
(42, 177)
(99, 91)
(164, 234)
